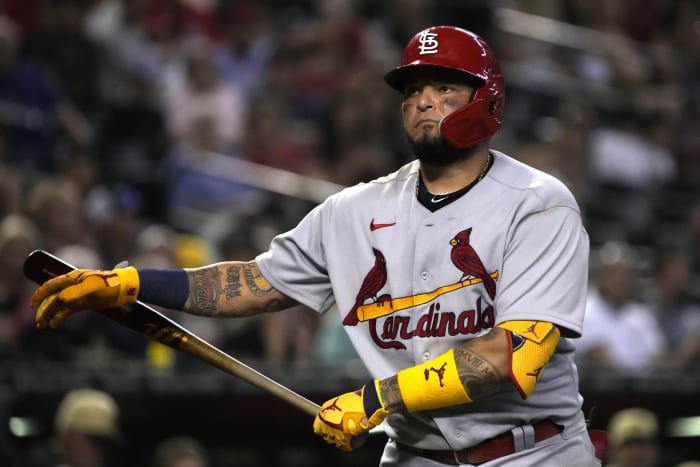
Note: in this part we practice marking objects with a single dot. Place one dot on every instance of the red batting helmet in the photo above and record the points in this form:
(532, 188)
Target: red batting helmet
(454, 48)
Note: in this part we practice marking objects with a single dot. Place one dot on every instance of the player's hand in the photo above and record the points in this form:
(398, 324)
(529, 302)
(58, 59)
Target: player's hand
(345, 417)
(60, 297)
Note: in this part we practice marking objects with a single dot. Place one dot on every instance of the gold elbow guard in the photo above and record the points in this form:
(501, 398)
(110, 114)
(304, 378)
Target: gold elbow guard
(532, 343)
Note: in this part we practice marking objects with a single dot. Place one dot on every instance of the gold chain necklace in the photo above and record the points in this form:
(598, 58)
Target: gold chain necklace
(486, 166)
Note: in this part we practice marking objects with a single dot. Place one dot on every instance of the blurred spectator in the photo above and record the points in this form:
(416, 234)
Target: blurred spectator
(155, 247)
(633, 439)
(206, 97)
(114, 212)
(86, 432)
(619, 332)
(78, 165)
(27, 14)
(247, 46)
(332, 345)
(32, 108)
(180, 451)
(330, 47)
(69, 54)
(18, 237)
(628, 162)
(56, 206)
(402, 18)
(275, 138)
(12, 185)
(195, 179)
(677, 313)
(132, 142)
(128, 47)
(688, 144)
(289, 337)
(354, 128)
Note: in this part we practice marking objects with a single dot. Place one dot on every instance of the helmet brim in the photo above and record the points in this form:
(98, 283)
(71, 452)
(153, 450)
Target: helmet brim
(399, 76)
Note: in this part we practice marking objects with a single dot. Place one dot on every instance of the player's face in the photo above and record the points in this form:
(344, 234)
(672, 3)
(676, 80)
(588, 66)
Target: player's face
(431, 95)
(428, 98)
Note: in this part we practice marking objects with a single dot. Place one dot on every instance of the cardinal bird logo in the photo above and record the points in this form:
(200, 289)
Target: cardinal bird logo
(465, 258)
(371, 285)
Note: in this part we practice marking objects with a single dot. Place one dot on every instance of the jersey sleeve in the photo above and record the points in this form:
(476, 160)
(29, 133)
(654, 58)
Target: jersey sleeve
(545, 270)
(295, 263)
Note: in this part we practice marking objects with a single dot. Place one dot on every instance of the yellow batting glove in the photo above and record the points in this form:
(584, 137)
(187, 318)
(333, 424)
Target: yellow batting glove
(345, 417)
(82, 289)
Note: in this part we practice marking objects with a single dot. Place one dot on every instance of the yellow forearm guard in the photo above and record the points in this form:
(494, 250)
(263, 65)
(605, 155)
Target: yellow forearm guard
(432, 385)
(532, 343)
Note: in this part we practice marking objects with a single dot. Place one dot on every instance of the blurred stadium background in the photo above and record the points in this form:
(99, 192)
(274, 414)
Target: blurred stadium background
(174, 133)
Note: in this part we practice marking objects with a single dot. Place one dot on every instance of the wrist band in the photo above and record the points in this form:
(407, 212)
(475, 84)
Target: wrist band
(432, 385)
(371, 398)
(168, 288)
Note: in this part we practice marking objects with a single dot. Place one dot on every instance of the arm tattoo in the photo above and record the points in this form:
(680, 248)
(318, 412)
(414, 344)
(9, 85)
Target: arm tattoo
(233, 282)
(479, 376)
(205, 290)
(233, 290)
(391, 394)
(259, 287)
(256, 283)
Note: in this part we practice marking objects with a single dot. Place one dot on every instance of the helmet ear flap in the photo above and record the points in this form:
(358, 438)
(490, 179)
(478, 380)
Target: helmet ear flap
(472, 123)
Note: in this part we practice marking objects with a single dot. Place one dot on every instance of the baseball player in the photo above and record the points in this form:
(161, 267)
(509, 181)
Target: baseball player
(460, 280)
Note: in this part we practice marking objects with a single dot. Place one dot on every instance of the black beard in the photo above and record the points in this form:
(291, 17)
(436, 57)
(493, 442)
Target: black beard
(438, 152)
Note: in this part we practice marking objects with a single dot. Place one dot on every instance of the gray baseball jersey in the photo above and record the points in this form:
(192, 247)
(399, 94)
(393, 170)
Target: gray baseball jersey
(389, 266)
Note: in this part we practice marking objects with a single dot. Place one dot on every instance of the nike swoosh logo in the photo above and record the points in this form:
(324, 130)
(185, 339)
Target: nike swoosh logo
(373, 226)
(435, 199)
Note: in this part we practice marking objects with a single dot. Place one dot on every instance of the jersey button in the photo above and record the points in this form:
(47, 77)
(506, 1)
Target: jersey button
(458, 433)
(424, 275)
(426, 356)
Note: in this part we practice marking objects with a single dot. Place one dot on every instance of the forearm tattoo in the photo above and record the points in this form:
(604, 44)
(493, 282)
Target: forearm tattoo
(391, 394)
(479, 376)
(205, 291)
(233, 290)
(233, 283)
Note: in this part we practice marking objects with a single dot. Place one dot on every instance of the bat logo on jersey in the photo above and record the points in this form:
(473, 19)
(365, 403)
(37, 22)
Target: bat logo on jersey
(434, 323)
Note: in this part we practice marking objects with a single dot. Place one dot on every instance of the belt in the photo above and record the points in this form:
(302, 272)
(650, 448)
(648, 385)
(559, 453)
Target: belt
(488, 450)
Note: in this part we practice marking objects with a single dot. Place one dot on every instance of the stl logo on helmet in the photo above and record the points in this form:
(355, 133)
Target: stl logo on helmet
(427, 43)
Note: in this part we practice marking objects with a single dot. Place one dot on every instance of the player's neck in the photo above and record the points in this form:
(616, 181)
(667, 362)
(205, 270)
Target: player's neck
(450, 178)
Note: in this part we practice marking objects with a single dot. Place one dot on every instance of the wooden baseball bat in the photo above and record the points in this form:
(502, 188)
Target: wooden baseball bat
(41, 265)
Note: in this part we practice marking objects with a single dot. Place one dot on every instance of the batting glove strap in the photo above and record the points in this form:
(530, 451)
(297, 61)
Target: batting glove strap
(370, 397)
